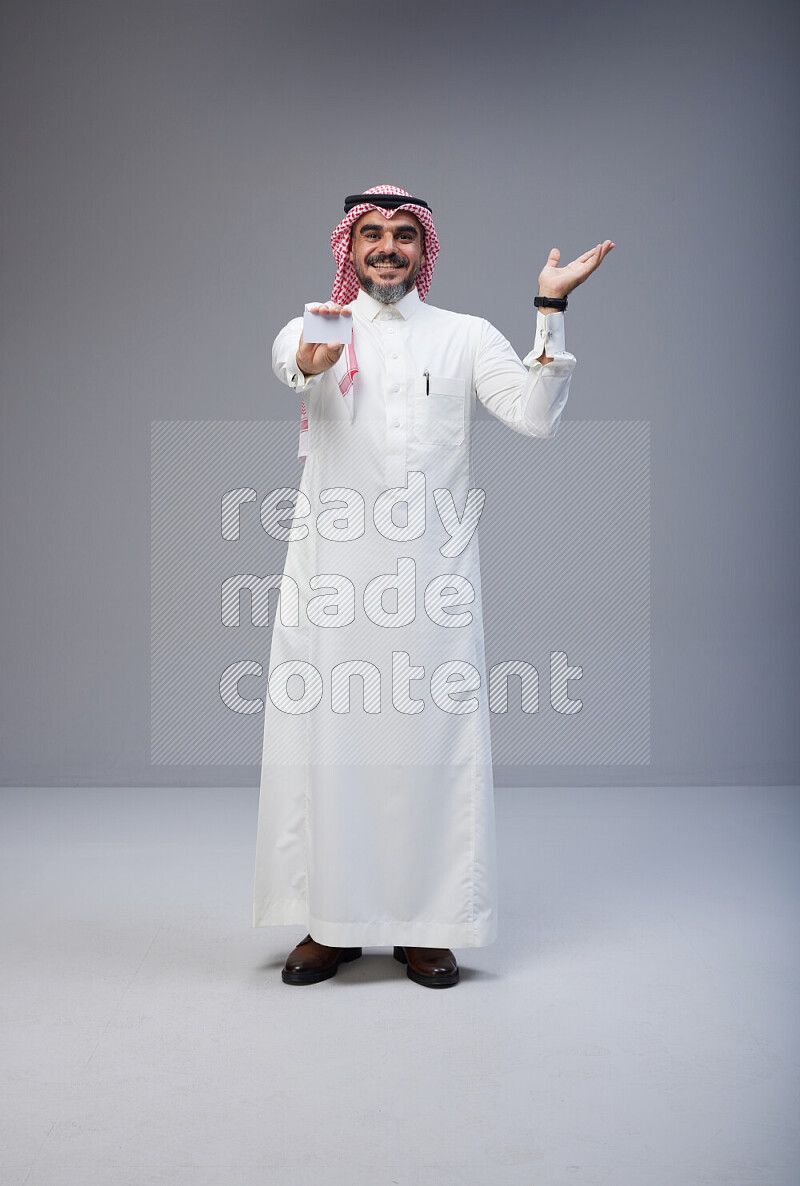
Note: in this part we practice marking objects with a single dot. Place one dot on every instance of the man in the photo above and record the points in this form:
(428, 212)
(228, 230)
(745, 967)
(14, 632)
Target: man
(376, 812)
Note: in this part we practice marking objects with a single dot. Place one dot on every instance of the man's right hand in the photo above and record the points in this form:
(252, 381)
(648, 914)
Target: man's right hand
(315, 357)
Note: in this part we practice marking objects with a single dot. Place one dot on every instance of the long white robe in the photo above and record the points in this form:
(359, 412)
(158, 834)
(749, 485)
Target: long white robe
(376, 808)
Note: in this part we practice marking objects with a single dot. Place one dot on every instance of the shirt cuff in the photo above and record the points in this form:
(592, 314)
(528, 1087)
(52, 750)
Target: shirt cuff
(298, 380)
(549, 338)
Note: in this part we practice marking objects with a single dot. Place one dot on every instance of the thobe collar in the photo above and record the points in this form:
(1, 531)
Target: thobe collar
(370, 309)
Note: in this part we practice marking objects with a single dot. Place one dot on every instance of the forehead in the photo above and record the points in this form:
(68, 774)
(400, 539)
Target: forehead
(399, 218)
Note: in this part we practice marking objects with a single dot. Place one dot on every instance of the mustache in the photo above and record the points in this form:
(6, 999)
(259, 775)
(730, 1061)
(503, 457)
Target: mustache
(396, 260)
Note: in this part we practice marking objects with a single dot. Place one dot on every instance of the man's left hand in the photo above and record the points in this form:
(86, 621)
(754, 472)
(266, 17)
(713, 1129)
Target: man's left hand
(558, 282)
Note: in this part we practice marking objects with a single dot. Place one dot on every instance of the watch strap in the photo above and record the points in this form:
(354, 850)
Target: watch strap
(557, 303)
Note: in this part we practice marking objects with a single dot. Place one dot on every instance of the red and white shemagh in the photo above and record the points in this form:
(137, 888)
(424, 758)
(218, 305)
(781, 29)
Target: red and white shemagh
(346, 286)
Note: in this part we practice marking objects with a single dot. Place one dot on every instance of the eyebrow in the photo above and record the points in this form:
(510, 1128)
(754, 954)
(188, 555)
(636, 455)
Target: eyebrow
(374, 226)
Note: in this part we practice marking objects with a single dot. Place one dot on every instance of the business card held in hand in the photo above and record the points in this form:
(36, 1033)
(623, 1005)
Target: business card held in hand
(331, 327)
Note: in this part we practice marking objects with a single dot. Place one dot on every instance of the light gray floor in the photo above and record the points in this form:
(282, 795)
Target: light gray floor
(635, 1024)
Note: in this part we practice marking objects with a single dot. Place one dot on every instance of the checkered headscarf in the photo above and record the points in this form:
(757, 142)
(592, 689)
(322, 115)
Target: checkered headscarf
(346, 284)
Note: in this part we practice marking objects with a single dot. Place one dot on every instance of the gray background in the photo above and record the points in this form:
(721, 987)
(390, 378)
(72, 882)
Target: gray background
(171, 175)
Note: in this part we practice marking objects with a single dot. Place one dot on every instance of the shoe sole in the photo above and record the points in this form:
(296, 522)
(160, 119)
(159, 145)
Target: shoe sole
(447, 980)
(348, 954)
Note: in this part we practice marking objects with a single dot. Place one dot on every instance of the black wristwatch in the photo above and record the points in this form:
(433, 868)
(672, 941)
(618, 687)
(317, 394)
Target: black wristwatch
(557, 303)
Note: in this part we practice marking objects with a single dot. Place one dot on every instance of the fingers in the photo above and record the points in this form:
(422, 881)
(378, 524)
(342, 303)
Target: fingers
(586, 263)
(315, 357)
(593, 257)
(599, 252)
(329, 308)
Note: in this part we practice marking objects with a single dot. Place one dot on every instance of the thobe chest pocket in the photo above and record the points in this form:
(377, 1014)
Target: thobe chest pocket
(440, 406)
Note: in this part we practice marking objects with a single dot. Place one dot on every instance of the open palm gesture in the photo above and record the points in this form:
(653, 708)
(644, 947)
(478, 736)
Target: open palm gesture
(557, 282)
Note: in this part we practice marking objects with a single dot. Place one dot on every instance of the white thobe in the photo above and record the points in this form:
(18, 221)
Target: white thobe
(376, 808)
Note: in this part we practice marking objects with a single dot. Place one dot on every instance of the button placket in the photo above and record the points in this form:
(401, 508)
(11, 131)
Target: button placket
(395, 407)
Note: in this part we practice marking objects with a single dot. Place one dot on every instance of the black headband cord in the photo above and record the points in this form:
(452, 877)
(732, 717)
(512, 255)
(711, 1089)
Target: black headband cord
(388, 201)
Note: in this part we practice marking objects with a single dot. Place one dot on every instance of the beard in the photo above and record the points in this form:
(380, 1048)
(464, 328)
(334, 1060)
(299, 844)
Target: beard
(387, 294)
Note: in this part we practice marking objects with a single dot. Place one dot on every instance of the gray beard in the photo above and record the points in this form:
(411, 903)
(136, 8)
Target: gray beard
(388, 294)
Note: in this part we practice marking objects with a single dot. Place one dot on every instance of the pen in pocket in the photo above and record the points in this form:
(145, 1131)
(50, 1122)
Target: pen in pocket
(427, 375)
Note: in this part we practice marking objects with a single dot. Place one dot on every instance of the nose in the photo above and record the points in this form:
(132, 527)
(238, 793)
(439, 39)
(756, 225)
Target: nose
(387, 242)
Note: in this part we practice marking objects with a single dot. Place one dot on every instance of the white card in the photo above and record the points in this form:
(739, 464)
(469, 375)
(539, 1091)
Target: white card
(330, 327)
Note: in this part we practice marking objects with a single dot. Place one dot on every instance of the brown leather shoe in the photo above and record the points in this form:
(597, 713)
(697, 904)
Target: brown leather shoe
(311, 962)
(435, 967)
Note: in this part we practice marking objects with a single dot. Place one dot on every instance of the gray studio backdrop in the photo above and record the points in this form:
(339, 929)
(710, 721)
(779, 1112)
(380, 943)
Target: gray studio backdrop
(171, 174)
